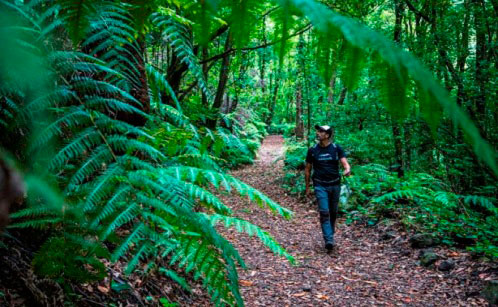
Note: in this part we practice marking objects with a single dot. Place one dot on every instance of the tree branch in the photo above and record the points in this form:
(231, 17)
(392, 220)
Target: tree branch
(222, 55)
(417, 12)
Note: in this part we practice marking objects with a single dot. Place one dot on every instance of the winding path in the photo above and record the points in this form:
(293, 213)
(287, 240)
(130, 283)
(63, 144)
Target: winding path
(364, 270)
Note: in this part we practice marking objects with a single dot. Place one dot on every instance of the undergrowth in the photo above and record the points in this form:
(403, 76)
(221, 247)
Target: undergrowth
(420, 201)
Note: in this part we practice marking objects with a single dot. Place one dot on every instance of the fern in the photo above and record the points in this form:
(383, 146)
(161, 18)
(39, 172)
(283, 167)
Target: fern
(118, 182)
(484, 202)
(77, 17)
(159, 84)
(251, 229)
(175, 277)
(228, 182)
(179, 38)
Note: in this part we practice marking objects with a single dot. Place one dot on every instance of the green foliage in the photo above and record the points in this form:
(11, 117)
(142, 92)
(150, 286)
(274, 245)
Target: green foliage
(403, 63)
(65, 256)
(424, 204)
(179, 38)
(251, 229)
(111, 135)
(77, 15)
(295, 155)
(142, 188)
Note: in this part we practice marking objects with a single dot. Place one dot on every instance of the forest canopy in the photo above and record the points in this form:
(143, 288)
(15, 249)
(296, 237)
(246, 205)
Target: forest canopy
(124, 118)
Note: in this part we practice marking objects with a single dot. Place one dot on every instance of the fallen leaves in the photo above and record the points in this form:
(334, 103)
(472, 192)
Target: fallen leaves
(103, 289)
(299, 294)
(360, 280)
(246, 283)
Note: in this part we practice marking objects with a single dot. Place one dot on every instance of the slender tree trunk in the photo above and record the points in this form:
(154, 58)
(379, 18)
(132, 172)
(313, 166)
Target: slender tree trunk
(273, 100)
(238, 81)
(396, 128)
(342, 96)
(299, 112)
(262, 70)
(222, 82)
(205, 55)
(463, 52)
(330, 97)
(481, 66)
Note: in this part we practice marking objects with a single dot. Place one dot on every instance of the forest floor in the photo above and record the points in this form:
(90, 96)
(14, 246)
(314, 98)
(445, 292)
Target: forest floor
(365, 269)
(372, 265)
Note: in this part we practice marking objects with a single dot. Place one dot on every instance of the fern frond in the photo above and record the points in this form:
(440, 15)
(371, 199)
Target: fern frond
(228, 182)
(159, 83)
(179, 39)
(125, 245)
(206, 198)
(81, 144)
(125, 216)
(392, 196)
(244, 226)
(111, 205)
(484, 202)
(176, 278)
(77, 15)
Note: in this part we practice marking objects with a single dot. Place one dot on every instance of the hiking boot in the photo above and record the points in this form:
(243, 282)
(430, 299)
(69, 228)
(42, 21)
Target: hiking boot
(329, 246)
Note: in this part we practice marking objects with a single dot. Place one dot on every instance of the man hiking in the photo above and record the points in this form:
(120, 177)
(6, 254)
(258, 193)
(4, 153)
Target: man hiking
(324, 158)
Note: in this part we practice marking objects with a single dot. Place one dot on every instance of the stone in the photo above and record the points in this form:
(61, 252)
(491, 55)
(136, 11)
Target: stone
(490, 292)
(428, 257)
(446, 265)
(423, 240)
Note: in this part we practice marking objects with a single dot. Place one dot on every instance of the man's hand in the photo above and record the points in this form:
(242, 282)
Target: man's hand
(347, 168)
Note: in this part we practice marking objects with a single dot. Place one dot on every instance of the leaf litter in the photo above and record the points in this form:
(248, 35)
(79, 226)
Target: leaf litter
(363, 270)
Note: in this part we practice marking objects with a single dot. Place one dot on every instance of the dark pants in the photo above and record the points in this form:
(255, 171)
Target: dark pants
(328, 201)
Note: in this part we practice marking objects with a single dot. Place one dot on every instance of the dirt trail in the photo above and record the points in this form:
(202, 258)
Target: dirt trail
(364, 270)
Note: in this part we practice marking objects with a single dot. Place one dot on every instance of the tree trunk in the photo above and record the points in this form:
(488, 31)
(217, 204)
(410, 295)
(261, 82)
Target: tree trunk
(396, 129)
(238, 81)
(273, 100)
(205, 55)
(299, 112)
(463, 52)
(342, 96)
(481, 66)
(222, 82)
(262, 71)
(330, 97)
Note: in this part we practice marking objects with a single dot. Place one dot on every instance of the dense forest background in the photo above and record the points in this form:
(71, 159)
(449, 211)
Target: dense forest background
(123, 119)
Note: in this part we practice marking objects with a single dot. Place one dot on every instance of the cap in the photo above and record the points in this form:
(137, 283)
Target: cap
(324, 128)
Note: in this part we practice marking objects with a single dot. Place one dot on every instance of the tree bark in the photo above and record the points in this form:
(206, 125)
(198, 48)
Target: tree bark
(396, 129)
(330, 97)
(342, 96)
(481, 66)
(262, 70)
(273, 100)
(222, 82)
(204, 99)
(299, 111)
(463, 53)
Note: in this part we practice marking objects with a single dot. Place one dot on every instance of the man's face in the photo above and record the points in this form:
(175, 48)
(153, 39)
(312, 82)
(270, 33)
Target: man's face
(321, 135)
